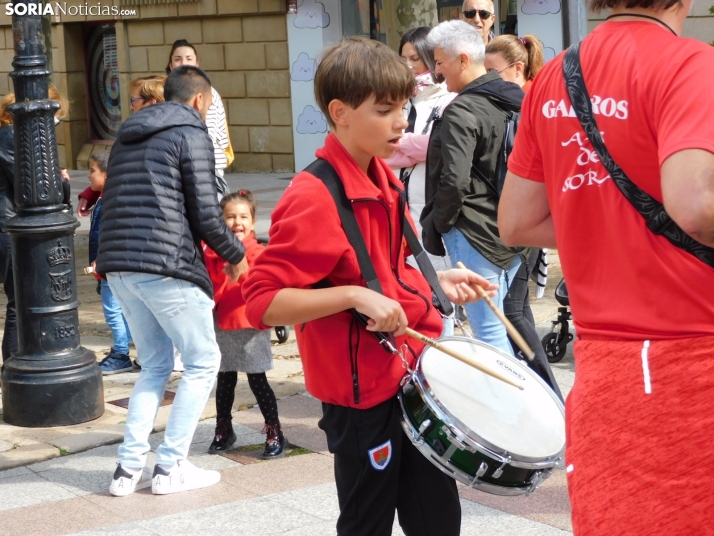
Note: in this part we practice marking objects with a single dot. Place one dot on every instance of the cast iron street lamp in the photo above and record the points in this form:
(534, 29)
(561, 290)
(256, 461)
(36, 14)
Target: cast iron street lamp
(52, 381)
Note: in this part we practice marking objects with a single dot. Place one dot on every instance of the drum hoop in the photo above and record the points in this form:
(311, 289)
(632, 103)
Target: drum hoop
(463, 477)
(474, 439)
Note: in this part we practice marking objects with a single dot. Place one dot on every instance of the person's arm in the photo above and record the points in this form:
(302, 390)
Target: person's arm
(688, 192)
(415, 146)
(292, 306)
(458, 142)
(524, 217)
(197, 166)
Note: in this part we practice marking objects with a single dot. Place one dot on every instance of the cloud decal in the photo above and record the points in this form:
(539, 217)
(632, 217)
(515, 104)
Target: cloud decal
(311, 14)
(303, 70)
(311, 121)
(540, 7)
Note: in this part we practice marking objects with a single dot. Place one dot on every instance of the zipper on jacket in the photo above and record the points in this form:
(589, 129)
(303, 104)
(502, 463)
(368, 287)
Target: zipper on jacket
(353, 359)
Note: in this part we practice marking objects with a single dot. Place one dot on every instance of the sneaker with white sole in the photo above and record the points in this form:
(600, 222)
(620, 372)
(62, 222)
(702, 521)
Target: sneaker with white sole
(183, 476)
(127, 482)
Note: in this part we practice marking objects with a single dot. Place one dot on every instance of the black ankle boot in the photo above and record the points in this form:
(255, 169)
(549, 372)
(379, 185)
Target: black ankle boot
(275, 443)
(224, 437)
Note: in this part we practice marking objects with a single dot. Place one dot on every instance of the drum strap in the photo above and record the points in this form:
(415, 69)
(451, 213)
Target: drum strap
(657, 219)
(324, 171)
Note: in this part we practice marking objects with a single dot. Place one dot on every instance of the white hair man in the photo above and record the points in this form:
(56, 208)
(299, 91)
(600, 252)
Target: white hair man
(481, 15)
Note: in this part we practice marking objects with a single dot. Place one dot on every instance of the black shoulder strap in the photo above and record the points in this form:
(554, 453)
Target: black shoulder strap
(326, 173)
(427, 270)
(658, 221)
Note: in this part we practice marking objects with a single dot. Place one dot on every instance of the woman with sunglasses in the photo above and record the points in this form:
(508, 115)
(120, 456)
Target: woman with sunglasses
(429, 100)
(481, 15)
(516, 59)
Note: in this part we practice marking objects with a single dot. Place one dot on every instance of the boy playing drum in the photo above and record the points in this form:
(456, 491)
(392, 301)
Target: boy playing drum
(361, 87)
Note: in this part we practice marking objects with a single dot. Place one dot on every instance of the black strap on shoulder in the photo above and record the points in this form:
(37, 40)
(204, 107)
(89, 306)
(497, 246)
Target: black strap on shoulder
(427, 270)
(658, 221)
(324, 171)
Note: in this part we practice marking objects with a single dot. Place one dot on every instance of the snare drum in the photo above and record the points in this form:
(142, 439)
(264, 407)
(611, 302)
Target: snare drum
(480, 430)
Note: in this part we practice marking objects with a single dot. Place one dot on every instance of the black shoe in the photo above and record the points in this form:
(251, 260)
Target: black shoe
(275, 443)
(224, 437)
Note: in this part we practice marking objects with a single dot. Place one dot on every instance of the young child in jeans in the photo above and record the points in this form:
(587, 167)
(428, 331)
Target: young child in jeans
(118, 359)
(361, 87)
(243, 348)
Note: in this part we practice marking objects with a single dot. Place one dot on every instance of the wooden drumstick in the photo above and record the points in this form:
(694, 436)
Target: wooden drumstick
(510, 328)
(456, 355)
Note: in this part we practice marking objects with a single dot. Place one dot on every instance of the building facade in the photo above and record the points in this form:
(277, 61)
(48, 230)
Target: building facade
(260, 54)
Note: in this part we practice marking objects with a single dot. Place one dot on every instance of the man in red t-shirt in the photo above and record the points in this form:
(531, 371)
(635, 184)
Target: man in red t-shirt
(640, 413)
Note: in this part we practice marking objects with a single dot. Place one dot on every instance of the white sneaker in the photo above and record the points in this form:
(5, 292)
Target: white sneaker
(183, 476)
(126, 483)
(178, 364)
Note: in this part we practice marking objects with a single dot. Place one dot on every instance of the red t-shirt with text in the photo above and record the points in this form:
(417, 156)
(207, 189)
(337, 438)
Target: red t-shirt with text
(653, 96)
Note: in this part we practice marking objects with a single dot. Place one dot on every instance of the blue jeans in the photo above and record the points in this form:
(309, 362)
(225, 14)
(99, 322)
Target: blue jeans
(115, 320)
(164, 312)
(484, 323)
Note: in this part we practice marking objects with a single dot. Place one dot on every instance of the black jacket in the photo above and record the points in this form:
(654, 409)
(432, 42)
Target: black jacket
(463, 150)
(7, 174)
(160, 198)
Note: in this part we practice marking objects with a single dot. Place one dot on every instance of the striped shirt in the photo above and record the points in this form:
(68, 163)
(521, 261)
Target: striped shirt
(218, 131)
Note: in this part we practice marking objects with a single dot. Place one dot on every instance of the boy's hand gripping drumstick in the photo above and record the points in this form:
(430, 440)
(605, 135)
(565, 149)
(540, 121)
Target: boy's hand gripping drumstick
(510, 328)
(456, 355)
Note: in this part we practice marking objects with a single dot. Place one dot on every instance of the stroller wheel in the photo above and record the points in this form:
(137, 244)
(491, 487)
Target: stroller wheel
(554, 346)
(282, 332)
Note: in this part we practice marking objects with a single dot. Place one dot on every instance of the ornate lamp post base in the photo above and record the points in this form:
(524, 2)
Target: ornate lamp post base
(52, 381)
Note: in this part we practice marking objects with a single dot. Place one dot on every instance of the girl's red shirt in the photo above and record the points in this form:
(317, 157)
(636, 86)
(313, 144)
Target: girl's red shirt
(230, 305)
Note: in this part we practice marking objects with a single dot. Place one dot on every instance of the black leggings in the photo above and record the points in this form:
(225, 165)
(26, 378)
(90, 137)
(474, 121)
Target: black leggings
(225, 394)
(517, 308)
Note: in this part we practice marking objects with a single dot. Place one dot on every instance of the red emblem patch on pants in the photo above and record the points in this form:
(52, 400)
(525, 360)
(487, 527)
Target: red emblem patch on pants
(379, 456)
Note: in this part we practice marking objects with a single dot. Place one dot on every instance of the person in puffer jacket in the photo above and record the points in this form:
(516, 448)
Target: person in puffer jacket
(160, 203)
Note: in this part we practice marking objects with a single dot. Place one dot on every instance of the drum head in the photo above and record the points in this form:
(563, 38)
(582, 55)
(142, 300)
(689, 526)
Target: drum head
(528, 423)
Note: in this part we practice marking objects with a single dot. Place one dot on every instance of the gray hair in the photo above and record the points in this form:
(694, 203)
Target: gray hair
(102, 160)
(457, 37)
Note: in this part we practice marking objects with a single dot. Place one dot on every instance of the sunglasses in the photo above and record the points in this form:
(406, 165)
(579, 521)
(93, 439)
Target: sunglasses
(482, 13)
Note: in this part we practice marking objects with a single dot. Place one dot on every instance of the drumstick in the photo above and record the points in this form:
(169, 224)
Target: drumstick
(510, 328)
(456, 355)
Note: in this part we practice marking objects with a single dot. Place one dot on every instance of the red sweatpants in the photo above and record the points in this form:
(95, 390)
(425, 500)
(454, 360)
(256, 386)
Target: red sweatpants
(640, 438)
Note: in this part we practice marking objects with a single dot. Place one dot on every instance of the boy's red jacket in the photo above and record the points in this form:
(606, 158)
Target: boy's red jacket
(230, 305)
(308, 244)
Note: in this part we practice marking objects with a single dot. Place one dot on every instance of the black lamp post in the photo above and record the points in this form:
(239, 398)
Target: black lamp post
(52, 381)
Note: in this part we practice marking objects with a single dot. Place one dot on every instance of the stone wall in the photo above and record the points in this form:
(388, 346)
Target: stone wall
(242, 44)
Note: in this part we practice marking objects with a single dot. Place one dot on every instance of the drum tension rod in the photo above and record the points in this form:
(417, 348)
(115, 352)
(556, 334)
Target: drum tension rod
(498, 472)
(425, 427)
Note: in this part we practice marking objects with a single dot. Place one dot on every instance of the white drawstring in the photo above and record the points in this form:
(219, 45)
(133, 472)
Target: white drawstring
(646, 368)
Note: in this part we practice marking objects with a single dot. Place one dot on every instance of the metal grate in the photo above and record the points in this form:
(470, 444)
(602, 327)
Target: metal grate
(167, 400)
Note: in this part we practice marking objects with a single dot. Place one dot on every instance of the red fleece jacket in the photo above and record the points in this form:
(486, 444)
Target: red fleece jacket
(308, 244)
(230, 305)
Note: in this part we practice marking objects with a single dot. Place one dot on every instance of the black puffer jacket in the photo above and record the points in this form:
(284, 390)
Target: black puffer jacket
(160, 198)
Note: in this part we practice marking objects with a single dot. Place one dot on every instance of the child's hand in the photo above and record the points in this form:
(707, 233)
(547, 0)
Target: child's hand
(234, 271)
(457, 282)
(82, 209)
(64, 174)
(384, 313)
